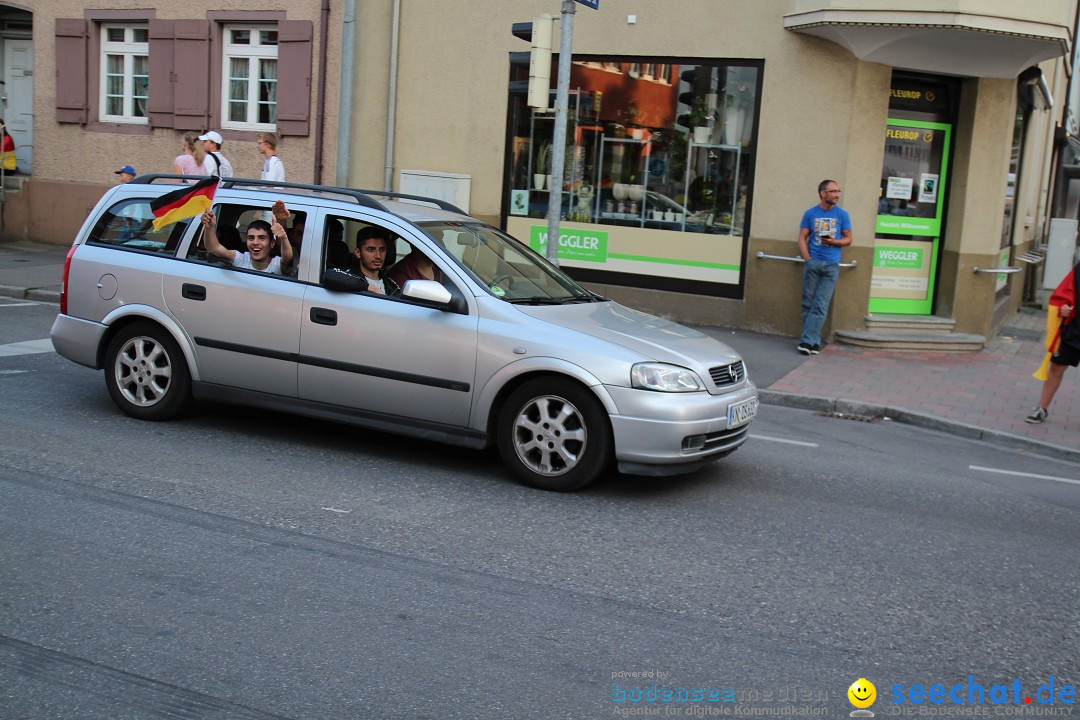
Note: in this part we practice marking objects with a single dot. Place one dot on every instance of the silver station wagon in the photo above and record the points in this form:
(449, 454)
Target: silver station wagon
(499, 346)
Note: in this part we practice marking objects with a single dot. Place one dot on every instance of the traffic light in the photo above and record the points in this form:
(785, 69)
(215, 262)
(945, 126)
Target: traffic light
(538, 33)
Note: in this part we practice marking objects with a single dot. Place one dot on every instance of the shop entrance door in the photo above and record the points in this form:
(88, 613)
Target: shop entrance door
(18, 98)
(907, 233)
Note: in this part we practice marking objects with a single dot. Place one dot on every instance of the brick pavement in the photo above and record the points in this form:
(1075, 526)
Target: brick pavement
(992, 389)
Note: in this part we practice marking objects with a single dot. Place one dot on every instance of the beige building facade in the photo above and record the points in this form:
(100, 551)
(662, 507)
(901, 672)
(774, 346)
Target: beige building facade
(698, 132)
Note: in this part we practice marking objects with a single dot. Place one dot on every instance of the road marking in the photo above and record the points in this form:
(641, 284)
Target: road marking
(1024, 474)
(19, 304)
(29, 347)
(782, 440)
(12, 372)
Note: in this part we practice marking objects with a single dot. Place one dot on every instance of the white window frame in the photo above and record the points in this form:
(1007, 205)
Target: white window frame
(129, 50)
(253, 54)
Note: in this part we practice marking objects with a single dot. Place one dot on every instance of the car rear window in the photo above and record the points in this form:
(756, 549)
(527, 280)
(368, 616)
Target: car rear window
(129, 225)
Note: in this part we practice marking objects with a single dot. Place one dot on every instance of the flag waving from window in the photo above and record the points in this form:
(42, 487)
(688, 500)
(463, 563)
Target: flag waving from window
(184, 203)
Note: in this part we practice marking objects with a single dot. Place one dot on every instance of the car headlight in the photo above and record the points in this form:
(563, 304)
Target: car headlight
(664, 378)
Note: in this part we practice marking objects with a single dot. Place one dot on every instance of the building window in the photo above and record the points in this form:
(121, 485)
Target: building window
(657, 173)
(249, 82)
(124, 73)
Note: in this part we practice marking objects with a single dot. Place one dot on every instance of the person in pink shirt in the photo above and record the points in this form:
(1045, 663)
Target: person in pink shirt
(191, 159)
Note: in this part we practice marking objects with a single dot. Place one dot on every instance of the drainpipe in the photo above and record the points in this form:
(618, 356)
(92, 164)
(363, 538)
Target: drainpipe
(391, 98)
(320, 98)
(345, 101)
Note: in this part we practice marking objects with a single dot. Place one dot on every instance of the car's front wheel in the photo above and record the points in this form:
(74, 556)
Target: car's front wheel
(554, 434)
(146, 373)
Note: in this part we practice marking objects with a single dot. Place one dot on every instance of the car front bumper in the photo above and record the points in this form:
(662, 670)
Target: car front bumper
(670, 433)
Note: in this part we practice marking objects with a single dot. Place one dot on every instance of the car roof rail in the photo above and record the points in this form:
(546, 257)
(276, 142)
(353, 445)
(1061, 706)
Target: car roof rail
(442, 204)
(231, 182)
(362, 197)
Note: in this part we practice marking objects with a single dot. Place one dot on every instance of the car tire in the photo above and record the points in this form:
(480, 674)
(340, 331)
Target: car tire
(553, 434)
(146, 373)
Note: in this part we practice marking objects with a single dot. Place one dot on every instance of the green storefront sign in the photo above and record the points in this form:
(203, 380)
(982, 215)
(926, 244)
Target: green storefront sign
(894, 257)
(574, 243)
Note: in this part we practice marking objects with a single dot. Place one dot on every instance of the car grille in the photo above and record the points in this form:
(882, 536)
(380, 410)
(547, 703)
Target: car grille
(724, 375)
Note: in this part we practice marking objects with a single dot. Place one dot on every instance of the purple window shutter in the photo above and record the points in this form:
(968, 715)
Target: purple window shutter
(71, 79)
(294, 77)
(192, 73)
(160, 100)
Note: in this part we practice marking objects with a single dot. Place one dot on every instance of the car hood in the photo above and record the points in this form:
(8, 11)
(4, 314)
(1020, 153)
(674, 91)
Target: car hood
(653, 337)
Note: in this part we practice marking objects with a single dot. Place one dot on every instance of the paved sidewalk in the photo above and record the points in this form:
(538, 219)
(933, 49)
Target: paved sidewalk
(31, 270)
(982, 395)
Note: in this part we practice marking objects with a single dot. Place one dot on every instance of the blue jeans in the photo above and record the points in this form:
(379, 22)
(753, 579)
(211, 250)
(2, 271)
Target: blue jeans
(818, 283)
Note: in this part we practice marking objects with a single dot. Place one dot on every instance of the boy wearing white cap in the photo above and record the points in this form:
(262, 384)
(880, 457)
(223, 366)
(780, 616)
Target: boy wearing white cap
(216, 163)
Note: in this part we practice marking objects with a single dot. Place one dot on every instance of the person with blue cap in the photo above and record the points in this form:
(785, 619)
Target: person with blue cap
(126, 173)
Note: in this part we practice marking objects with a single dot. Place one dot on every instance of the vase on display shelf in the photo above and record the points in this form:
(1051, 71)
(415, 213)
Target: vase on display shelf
(732, 122)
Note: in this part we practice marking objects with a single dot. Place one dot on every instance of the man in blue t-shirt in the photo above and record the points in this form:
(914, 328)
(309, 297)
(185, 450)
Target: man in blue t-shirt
(825, 228)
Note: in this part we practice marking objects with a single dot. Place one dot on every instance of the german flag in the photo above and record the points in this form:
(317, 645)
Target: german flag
(184, 203)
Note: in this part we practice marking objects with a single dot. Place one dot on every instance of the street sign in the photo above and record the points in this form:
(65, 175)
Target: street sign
(594, 4)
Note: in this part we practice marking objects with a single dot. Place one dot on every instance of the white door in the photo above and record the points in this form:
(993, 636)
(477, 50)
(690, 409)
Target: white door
(18, 99)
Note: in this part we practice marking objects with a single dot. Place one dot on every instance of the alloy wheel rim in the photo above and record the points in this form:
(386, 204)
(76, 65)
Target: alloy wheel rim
(550, 435)
(143, 371)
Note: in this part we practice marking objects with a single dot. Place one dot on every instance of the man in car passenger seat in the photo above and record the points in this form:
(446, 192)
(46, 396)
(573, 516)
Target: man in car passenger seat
(260, 238)
(372, 247)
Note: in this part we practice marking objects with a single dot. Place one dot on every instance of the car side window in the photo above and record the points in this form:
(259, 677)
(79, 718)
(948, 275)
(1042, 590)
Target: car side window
(228, 232)
(362, 256)
(129, 224)
(233, 222)
(344, 241)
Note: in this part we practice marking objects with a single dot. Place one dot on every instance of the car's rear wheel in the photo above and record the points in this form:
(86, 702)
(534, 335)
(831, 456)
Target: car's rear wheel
(146, 373)
(553, 434)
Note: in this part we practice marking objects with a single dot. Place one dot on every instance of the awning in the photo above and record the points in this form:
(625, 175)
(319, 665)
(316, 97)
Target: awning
(948, 43)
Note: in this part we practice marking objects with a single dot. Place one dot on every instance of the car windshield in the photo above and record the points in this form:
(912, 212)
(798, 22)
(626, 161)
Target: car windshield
(507, 268)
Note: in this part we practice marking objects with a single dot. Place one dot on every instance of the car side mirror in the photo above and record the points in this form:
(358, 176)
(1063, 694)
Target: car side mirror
(427, 292)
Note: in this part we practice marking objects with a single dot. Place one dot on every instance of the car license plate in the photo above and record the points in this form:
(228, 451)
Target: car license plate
(741, 413)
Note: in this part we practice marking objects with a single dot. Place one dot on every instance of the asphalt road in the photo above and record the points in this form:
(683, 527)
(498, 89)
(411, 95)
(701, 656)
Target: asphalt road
(254, 565)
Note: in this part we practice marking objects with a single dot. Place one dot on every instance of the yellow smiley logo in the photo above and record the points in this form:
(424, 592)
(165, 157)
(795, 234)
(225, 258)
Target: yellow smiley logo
(862, 693)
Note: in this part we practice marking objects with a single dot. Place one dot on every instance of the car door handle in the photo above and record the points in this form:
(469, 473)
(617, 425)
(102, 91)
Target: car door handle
(193, 292)
(323, 316)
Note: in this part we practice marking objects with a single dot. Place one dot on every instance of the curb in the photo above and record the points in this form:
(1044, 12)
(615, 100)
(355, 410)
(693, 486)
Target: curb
(840, 406)
(21, 293)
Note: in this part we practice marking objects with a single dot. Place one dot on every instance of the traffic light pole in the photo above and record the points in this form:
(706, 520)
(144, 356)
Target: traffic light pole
(558, 144)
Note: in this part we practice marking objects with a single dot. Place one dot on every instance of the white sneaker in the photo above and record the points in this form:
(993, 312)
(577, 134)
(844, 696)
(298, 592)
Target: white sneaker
(1037, 415)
